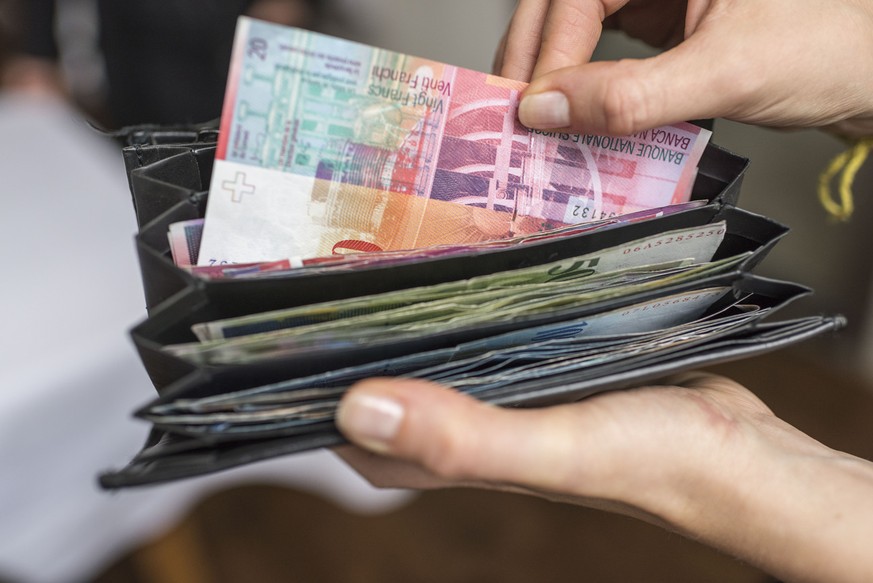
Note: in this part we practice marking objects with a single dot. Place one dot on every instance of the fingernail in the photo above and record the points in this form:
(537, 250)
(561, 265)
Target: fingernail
(370, 421)
(545, 110)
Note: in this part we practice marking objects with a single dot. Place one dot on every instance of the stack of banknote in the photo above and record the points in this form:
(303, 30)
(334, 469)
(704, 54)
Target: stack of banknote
(489, 368)
(340, 164)
(335, 155)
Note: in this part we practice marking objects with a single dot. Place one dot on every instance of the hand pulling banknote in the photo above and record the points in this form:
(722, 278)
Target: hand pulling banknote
(329, 146)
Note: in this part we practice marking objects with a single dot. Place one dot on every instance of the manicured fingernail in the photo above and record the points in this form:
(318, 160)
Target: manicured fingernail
(545, 110)
(370, 421)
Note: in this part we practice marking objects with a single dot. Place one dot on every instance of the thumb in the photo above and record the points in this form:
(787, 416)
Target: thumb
(628, 96)
(458, 438)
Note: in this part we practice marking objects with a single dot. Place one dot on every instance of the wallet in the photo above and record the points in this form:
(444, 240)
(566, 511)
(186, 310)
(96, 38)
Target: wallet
(169, 171)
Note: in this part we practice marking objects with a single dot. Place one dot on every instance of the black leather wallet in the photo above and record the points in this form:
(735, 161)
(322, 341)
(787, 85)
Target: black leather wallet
(169, 171)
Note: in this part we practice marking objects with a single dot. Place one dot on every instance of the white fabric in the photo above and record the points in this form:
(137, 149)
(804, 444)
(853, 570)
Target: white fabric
(70, 376)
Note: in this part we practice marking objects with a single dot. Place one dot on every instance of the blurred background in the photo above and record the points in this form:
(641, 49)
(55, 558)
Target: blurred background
(70, 377)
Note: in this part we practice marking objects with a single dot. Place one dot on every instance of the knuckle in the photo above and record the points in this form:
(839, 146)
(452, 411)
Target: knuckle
(626, 103)
(579, 16)
(746, 91)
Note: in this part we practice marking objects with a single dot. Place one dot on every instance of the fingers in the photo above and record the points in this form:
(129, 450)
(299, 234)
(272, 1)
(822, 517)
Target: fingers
(545, 35)
(519, 49)
(497, 65)
(624, 97)
(694, 13)
(459, 439)
(569, 35)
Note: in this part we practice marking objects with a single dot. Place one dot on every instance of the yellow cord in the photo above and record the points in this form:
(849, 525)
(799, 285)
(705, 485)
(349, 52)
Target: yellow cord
(848, 163)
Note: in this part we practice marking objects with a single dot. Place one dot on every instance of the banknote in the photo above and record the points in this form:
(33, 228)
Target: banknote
(571, 289)
(497, 375)
(335, 263)
(505, 381)
(697, 244)
(603, 339)
(331, 147)
(241, 270)
(649, 316)
(185, 237)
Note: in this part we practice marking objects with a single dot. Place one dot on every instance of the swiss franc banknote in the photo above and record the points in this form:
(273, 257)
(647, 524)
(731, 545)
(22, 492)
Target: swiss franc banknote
(185, 237)
(667, 323)
(334, 263)
(474, 312)
(562, 285)
(697, 244)
(328, 146)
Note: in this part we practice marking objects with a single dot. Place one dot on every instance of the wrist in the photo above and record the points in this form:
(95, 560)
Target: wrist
(780, 500)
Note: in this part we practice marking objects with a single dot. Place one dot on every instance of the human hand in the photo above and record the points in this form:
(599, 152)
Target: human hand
(626, 451)
(702, 456)
(783, 63)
